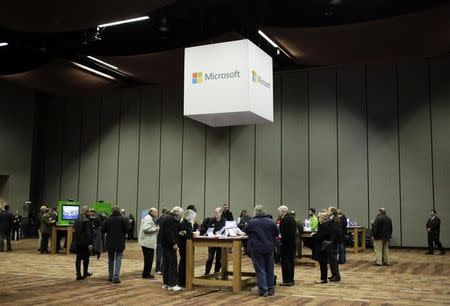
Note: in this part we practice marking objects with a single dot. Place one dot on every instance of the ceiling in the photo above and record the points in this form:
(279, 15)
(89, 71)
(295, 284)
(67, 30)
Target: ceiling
(48, 35)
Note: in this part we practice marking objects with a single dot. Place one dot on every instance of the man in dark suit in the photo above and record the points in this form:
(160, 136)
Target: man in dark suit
(6, 219)
(226, 213)
(82, 242)
(116, 228)
(433, 228)
(288, 230)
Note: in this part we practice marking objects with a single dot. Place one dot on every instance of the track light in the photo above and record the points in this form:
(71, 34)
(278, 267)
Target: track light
(102, 62)
(111, 24)
(94, 71)
(273, 43)
(3, 44)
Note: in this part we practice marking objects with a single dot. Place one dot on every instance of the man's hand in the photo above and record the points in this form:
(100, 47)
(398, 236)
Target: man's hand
(175, 247)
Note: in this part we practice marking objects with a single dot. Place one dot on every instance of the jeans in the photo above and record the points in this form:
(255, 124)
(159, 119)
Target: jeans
(82, 255)
(148, 261)
(264, 268)
(218, 265)
(170, 273)
(381, 249)
(342, 253)
(287, 258)
(114, 263)
(159, 254)
(7, 236)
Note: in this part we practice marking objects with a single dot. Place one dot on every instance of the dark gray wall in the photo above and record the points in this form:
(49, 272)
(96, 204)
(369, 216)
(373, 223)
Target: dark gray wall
(358, 137)
(16, 139)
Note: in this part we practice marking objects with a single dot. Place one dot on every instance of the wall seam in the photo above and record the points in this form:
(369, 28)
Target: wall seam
(182, 162)
(99, 143)
(79, 147)
(118, 149)
(160, 147)
(309, 136)
(139, 155)
(337, 139)
(398, 152)
(431, 130)
(204, 174)
(367, 144)
(61, 147)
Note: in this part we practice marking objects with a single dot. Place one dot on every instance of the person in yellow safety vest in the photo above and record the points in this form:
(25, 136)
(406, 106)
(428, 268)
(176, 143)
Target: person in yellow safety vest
(313, 220)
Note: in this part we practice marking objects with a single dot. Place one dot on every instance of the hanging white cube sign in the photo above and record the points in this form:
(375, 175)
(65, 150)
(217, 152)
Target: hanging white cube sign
(228, 84)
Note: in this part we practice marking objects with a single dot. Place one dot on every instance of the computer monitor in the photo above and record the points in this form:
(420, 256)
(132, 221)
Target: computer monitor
(70, 212)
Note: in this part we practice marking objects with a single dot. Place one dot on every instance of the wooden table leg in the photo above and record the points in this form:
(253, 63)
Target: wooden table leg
(224, 262)
(69, 238)
(53, 242)
(237, 261)
(189, 264)
(363, 240)
(355, 240)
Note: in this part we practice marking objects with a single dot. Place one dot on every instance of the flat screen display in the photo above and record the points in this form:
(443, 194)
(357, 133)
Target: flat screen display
(70, 212)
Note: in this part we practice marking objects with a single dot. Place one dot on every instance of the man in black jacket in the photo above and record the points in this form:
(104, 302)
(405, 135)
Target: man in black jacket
(433, 229)
(168, 236)
(116, 227)
(226, 213)
(216, 223)
(82, 242)
(6, 219)
(381, 233)
(288, 230)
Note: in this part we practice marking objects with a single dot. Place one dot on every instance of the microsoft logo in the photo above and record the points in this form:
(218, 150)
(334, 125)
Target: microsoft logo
(257, 79)
(197, 77)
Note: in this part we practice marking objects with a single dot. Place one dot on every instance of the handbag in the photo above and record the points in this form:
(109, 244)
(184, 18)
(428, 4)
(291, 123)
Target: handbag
(327, 246)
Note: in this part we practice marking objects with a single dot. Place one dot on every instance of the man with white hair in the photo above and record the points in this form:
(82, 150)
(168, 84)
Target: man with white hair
(216, 223)
(168, 234)
(288, 231)
(147, 240)
(262, 232)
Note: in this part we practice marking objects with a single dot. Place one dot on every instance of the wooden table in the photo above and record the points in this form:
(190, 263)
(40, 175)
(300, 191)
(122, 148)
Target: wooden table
(356, 230)
(209, 280)
(300, 255)
(69, 237)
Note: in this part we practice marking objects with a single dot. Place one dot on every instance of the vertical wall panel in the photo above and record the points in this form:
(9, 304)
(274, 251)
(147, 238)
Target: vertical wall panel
(194, 165)
(242, 172)
(217, 168)
(415, 151)
(149, 148)
(295, 142)
(128, 151)
(352, 143)
(109, 147)
(268, 157)
(53, 147)
(89, 149)
(440, 111)
(71, 150)
(383, 145)
(323, 138)
(171, 152)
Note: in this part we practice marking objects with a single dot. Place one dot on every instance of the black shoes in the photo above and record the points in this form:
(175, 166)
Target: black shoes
(322, 281)
(79, 277)
(87, 275)
(335, 279)
(148, 276)
(116, 281)
(264, 294)
(271, 292)
(429, 253)
(287, 284)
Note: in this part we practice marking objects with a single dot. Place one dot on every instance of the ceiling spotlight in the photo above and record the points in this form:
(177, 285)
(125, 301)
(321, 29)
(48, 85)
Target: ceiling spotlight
(111, 24)
(273, 43)
(3, 44)
(94, 71)
(163, 27)
(102, 62)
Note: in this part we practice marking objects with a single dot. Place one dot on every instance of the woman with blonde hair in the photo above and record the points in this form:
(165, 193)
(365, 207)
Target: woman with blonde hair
(327, 236)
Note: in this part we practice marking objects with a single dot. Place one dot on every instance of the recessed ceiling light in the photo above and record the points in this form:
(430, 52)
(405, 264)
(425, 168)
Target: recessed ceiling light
(93, 71)
(102, 62)
(111, 24)
(3, 44)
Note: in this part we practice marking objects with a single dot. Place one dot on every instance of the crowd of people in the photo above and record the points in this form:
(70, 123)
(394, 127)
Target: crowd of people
(164, 236)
